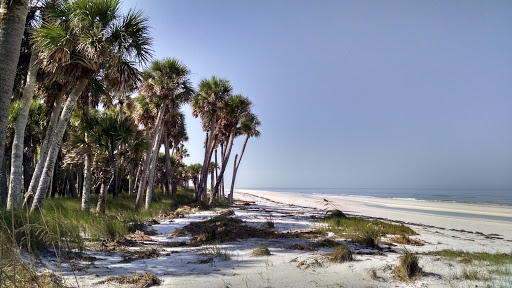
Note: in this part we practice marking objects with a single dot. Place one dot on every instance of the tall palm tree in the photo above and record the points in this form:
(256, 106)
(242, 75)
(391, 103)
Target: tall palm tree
(13, 14)
(235, 108)
(83, 39)
(167, 84)
(248, 127)
(206, 104)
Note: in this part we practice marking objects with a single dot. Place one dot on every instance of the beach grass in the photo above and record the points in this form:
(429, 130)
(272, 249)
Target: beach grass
(408, 268)
(468, 257)
(261, 250)
(340, 253)
(363, 231)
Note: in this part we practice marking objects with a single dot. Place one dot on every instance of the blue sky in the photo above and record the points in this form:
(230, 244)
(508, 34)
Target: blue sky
(355, 93)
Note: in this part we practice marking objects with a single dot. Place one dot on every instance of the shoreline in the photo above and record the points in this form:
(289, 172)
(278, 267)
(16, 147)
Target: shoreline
(479, 218)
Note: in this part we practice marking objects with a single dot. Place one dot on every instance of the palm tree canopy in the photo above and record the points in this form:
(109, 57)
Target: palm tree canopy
(167, 80)
(210, 98)
(89, 36)
(249, 125)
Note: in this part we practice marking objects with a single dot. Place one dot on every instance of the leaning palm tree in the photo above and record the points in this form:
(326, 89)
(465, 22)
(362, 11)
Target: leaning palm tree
(206, 104)
(249, 128)
(86, 38)
(235, 108)
(167, 84)
(13, 14)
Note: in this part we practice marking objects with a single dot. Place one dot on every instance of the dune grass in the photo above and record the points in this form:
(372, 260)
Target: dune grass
(468, 257)
(363, 231)
(341, 253)
(261, 250)
(62, 226)
(408, 268)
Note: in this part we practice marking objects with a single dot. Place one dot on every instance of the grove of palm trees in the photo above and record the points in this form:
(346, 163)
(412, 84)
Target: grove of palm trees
(92, 133)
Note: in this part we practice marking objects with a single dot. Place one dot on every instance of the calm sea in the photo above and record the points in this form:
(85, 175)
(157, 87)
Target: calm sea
(497, 196)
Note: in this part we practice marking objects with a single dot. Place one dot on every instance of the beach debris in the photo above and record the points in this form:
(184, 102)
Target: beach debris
(339, 254)
(335, 214)
(310, 262)
(224, 229)
(184, 210)
(151, 232)
(406, 240)
(137, 280)
(174, 244)
(178, 232)
(148, 253)
(326, 243)
(301, 247)
(261, 250)
(227, 212)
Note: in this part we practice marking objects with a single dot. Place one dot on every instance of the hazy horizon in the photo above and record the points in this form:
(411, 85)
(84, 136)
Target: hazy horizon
(355, 93)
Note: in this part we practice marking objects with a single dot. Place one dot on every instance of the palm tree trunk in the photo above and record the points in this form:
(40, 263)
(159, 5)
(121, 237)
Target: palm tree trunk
(235, 169)
(152, 168)
(212, 185)
(131, 180)
(230, 197)
(116, 178)
(216, 170)
(14, 195)
(102, 198)
(207, 158)
(149, 156)
(56, 142)
(13, 15)
(43, 153)
(71, 182)
(225, 161)
(3, 186)
(168, 172)
(79, 179)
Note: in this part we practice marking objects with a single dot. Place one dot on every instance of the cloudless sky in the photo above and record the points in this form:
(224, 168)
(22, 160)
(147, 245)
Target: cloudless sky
(355, 93)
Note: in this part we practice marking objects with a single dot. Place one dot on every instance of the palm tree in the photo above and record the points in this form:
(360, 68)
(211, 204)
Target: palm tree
(84, 39)
(235, 108)
(105, 134)
(206, 104)
(13, 14)
(193, 171)
(248, 127)
(167, 84)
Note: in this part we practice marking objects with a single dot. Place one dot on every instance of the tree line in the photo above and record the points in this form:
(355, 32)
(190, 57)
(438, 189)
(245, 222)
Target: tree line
(78, 116)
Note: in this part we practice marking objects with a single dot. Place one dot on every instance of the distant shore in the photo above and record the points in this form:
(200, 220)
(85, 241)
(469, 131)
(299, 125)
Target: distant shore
(484, 218)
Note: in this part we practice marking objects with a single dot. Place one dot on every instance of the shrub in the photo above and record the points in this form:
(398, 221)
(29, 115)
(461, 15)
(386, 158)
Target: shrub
(408, 269)
(261, 250)
(341, 253)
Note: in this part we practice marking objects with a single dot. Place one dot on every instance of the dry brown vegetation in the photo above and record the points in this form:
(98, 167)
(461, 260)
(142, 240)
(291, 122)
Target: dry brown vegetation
(138, 280)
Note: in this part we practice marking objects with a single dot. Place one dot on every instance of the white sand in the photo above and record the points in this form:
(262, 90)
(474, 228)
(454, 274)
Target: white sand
(179, 267)
(383, 207)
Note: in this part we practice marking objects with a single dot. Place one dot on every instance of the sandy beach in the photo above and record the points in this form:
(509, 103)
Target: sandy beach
(484, 218)
(231, 264)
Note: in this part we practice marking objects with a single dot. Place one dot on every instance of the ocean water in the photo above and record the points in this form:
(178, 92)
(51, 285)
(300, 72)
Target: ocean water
(496, 196)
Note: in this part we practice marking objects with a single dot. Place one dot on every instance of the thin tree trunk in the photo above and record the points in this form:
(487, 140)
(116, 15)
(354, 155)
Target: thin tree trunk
(131, 180)
(168, 171)
(225, 161)
(116, 178)
(235, 170)
(56, 142)
(13, 15)
(71, 182)
(14, 196)
(3, 186)
(208, 154)
(230, 197)
(147, 161)
(79, 179)
(216, 170)
(86, 189)
(152, 169)
(212, 185)
(43, 153)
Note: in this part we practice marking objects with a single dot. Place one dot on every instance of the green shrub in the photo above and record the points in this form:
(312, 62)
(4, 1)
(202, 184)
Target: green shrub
(341, 253)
